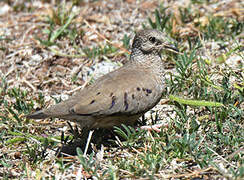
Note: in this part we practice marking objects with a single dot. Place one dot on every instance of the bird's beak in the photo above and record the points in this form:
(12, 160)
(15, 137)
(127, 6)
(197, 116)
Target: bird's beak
(170, 47)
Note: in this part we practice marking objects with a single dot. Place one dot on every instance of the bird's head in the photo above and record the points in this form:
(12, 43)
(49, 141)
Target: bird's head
(152, 41)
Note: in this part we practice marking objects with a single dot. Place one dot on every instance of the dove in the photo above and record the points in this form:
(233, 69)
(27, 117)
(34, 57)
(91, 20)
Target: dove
(123, 95)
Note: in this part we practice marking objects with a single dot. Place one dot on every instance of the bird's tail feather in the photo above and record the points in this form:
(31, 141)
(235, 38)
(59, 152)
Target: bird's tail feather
(37, 115)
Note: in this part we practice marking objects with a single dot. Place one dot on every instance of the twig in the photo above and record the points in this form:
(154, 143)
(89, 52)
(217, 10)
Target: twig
(88, 141)
(221, 157)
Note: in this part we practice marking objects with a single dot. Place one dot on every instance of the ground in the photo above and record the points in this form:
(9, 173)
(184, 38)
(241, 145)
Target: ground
(50, 49)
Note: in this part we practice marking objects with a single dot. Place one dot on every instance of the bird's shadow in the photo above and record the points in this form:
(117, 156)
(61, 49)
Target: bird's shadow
(99, 137)
(105, 137)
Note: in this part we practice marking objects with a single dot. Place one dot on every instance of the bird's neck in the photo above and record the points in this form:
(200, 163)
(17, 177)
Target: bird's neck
(148, 60)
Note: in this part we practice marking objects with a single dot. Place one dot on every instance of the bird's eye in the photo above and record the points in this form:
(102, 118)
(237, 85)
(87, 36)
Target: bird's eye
(152, 39)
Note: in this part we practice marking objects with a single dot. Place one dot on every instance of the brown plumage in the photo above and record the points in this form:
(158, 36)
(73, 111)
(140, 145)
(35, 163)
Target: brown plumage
(121, 96)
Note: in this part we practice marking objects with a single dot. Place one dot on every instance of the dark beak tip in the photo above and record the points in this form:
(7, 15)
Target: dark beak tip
(176, 49)
(172, 47)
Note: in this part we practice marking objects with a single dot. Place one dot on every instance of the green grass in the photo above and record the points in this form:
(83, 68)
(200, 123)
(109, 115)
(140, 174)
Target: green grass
(204, 136)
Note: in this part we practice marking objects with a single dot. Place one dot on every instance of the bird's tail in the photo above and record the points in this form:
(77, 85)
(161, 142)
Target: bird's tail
(37, 115)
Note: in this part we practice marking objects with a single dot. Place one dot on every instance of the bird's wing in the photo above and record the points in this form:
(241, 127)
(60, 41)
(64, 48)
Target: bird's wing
(126, 91)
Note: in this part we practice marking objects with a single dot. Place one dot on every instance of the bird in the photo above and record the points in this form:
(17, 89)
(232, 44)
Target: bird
(123, 95)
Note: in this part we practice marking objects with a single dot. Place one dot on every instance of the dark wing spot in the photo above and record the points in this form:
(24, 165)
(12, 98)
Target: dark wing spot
(149, 91)
(113, 102)
(138, 89)
(92, 101)
(98, 93)
(133, 96)
(72, 111)
(126, 101)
